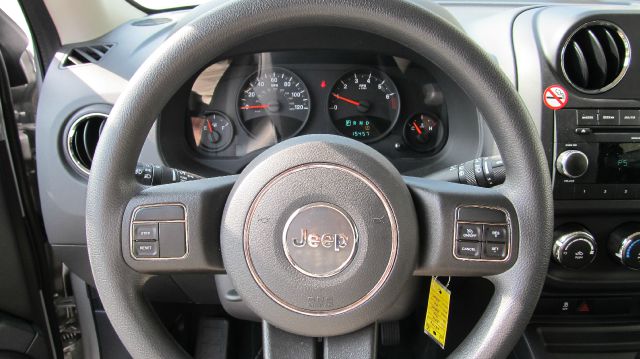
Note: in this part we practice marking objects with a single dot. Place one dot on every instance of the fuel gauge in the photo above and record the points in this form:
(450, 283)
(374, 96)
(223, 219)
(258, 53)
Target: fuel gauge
(423, 132)
(216, 132)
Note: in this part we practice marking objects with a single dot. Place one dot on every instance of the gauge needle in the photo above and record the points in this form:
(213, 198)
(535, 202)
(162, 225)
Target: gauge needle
(254, 107)
(209, 126)
(347, 100)
(415, 125)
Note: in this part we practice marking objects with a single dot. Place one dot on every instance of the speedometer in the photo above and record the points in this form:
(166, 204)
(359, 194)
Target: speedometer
(274, 103)
(364, 105)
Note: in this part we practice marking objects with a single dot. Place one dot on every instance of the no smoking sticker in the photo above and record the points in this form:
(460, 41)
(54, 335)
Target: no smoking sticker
(555, 97)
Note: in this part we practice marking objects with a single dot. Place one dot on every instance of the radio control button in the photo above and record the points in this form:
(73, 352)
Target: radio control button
(608, 117)
(629, 117)
(583, 191)
(587, 117)
(583, 131)
(602, 191)
(572, 163)
(623, 191)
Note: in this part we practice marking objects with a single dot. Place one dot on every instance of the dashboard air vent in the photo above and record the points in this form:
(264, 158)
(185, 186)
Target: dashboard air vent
(86, 54)
(595, 57)
(82, 139)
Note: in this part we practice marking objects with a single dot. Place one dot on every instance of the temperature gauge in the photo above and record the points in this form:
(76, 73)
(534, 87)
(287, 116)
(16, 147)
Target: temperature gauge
(216, 132)
(423, 132)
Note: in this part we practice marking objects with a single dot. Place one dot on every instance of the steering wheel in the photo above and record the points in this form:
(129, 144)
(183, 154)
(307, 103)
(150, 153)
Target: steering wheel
(320, 233)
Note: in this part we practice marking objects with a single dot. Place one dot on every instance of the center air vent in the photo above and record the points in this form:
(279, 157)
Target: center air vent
(86, 54)
(595, 57)
(82, 139)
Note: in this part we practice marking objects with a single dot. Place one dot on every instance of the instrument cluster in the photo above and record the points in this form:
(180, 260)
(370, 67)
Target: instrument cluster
(244, 104)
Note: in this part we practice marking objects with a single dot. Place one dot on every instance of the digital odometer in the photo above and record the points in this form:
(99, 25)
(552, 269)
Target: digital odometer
(364, 105)
(274, 103)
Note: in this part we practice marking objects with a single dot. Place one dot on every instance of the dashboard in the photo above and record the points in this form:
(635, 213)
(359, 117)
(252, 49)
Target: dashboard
(237, 107)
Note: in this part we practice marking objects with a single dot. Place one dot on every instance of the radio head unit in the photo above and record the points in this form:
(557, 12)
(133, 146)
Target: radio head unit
(597, 154)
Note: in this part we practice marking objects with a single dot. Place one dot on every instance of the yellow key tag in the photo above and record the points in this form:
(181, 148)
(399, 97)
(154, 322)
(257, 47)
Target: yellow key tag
(435, 324)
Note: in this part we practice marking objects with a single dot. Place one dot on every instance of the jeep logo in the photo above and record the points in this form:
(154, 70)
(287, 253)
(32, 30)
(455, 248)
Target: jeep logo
(319, 240)
(327, 240)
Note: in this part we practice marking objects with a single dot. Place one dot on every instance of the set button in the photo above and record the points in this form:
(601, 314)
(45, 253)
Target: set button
(495, 250)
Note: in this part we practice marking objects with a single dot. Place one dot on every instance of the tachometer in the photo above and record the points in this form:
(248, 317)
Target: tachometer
(364, 105)
(274, 103)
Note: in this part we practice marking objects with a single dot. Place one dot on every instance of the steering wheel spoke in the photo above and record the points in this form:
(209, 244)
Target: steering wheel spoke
(176, 227)
(464, 230)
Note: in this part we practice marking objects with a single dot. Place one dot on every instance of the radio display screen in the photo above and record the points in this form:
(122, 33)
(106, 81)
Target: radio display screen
(619, 163)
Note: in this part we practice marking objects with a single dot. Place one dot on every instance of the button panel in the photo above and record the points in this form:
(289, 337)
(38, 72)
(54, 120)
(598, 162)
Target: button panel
(159, 232)
(482, 233)
(606, 117)
(590, 191)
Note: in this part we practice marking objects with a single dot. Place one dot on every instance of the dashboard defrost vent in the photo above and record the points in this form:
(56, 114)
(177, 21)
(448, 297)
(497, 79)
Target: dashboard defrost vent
(82, 139)
(86, 54)
(595, 57)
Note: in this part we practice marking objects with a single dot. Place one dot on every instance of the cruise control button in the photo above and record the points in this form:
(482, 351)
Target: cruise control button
(495, 233)
(145, 249)
(481, 214)
(468, 249)
(470, 232)
(495, 250)
(145, 231)
(168, 212)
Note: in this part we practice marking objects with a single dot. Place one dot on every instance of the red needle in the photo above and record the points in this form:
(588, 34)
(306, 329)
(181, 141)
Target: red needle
(254, 107)
(415, 125)
(348, 100)
(209, 126)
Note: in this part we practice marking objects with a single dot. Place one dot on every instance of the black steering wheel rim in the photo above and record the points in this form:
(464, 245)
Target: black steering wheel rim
(228, 24)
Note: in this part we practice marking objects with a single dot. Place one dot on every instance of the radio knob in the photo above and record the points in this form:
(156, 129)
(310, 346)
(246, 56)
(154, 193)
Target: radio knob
(574, 248)
(624, 244)
(572, 163)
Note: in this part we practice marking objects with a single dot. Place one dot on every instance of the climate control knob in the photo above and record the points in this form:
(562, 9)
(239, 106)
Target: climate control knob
(624, 244)
(575, 247)
(572, 163)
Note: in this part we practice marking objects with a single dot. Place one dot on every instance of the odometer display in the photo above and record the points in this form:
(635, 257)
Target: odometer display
(274, 103)
(364, 105)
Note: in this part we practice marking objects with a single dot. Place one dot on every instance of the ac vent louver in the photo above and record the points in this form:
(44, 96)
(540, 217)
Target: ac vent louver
(82, 139)
(86, 54)
(595, 57)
